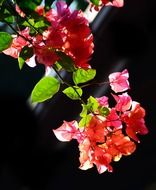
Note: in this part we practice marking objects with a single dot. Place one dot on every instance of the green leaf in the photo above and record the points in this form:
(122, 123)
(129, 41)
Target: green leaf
(104, 111)
(84, 111)
(5, 40)
(95, 2)
(26, 53)
(45, 89)
(1, 2)
(81, 75)
(92, 104)
(85, 120)
(9, 19)
(73, 93)
(40, 24)
(66, 62)
(28, 4)
(29, 23)
(36, 23)
(57, 66)
(7, 16)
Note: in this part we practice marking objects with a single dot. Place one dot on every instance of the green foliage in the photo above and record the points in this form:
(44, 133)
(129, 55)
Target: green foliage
(45, 89)
(28, 5)
(5, 40)
(35, 23)
(6, 15)
(1, 2)
(66, 62)
(73, 93)
(95, 2)
(26, 53)
(57, 66)
(85, 120)
(82, 76)
(84, 111)
(104, 111)
(92, 104)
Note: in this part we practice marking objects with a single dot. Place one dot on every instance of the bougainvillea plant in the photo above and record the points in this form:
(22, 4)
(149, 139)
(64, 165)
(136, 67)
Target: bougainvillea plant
(52, 34)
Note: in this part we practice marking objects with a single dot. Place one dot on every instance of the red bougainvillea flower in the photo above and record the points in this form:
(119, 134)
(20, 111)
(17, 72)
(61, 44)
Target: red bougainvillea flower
(100, 141)
(119, 81)
(107, 136)
(113, 119)
(119, 144)
(135, 123)
(102, 145)
(18, 43)
(70, 33)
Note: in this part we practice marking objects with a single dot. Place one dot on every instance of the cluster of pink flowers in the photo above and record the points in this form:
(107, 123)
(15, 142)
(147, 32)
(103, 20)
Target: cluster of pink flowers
(108, 137)
(68, 32)
(114, 3)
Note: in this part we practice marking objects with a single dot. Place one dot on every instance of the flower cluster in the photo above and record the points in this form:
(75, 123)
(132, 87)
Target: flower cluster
(61, 39)
(105, 133)
(96, 4)
(67, 32)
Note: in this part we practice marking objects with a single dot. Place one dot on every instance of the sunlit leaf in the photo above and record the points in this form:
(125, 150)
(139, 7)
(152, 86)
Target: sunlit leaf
(81, 75)
(73, 93)
(30, 22)
(92, 104)
(5, 40)
(84, 111)
(95, 2)
(36, 23)
(45, 89)
(85, 120)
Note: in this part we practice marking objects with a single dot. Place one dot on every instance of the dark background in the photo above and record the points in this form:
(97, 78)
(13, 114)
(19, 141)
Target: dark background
(31, 158)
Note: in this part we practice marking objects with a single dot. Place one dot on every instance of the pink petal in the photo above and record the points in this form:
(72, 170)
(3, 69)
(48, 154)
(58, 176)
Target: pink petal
(124, 102)
(119, 81)
(85, 155)
(69, 131)
(116, 3)
(103, 101)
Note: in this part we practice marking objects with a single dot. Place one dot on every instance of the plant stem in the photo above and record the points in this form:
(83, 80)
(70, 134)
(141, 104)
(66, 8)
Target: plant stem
(69, 85)
(18, 32)
(26, 18)
(94, 83)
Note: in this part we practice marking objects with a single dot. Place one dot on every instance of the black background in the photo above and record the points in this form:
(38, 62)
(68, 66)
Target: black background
(30, 155)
